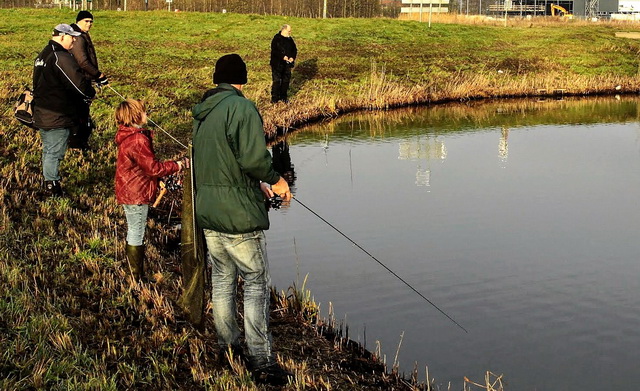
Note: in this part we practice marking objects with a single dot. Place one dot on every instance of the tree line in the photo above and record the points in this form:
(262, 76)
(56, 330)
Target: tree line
(297, 8)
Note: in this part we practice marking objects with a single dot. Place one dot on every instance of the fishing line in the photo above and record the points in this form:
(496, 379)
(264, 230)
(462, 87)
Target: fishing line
(150, 120)
(381, 264)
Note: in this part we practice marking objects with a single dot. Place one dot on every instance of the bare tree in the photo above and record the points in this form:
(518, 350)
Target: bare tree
(299, 8)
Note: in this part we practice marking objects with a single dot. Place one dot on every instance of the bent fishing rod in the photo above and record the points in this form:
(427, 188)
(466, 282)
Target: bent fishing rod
(380, 263)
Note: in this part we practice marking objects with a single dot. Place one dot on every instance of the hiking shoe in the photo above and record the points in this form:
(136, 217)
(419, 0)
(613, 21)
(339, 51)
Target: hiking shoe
(53, 188)
(272, 374)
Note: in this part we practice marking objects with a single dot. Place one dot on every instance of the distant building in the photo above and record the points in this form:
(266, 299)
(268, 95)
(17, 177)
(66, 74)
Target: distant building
(614, 9)
(567, 8)
(412, 9)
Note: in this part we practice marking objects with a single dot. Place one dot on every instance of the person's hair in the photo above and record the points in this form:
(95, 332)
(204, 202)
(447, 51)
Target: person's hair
(130, 112)
(284, 26)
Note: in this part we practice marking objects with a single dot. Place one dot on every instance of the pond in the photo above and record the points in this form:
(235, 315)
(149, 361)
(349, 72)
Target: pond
(519, 219)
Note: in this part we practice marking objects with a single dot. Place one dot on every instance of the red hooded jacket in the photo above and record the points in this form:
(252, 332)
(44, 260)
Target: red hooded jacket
(137, 169)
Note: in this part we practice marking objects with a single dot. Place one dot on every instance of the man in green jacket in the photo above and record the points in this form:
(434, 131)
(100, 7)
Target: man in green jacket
(233, 175)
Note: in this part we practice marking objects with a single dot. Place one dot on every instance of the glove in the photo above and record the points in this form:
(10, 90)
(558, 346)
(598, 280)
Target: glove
(102, 81)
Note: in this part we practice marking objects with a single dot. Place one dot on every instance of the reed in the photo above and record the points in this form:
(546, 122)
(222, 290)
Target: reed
(382, 92)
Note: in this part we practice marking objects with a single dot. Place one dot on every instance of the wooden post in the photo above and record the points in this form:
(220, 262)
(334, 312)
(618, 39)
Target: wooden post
(505, 13)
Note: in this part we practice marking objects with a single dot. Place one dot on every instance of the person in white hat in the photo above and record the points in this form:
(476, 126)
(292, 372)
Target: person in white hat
(59, 90)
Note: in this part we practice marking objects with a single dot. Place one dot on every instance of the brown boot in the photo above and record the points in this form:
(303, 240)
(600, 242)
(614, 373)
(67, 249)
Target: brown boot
(135, 258)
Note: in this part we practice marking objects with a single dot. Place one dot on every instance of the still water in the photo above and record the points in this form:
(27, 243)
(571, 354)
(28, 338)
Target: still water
(518, 219)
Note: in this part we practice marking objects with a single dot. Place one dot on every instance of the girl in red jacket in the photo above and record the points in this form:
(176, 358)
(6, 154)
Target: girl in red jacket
(137, 173)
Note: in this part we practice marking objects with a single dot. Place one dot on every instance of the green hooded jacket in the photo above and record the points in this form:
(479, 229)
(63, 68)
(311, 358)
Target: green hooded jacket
(230, 158)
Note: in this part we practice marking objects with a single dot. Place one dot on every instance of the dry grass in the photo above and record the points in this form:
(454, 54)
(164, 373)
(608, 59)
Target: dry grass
(71, 318)
(383, 92)
(513, 20)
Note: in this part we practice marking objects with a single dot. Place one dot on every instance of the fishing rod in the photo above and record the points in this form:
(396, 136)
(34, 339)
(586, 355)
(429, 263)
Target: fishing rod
(381, 264)
(150, 120)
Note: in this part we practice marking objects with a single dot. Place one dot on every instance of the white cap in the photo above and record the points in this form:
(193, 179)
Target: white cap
(65, 29)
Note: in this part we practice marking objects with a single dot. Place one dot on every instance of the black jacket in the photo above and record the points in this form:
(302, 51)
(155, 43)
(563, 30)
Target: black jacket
(85, 54)
(59, 89)
(282, 46)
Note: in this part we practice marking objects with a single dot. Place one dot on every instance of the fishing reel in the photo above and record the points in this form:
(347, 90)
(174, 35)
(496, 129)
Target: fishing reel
(172, 182)
(274, 202)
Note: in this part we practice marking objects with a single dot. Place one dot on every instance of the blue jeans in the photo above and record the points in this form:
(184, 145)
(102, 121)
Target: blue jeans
(136, 223)
(54, 145)
(244, 255)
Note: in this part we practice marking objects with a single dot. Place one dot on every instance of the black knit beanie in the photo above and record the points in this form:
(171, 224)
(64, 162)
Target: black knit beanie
(230, 69)
(83, 15)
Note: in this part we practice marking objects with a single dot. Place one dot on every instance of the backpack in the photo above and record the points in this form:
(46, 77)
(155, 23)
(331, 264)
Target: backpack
(23, 109)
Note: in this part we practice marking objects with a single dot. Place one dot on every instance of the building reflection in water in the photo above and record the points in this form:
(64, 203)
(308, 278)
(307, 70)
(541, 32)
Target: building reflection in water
(503, 145)
(423, 150)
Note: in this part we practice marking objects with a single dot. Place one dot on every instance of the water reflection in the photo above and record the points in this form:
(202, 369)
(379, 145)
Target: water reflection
(418, 128)
(518, 218)
(503, 145)
(281, 159)
(473, 116)
(282, 162)
(422, 151)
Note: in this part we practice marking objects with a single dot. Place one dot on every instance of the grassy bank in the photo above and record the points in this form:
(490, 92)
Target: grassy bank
(69, 317)
(344, 64)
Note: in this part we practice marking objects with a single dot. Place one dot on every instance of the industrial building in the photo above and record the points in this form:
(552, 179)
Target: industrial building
(614, 9)
(564, 8)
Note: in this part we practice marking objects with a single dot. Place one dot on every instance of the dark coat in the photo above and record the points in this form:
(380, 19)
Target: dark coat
(230, 158)
(137, 169)
(59, 89)
(282, 46)
(85, 54)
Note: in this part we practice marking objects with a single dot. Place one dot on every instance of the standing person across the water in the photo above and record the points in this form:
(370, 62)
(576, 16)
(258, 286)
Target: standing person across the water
(60, 90)
(137, 173)
(233, 174)
(85, 53)
(283, 57)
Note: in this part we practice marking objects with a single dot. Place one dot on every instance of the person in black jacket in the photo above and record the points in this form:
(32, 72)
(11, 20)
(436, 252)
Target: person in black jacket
(60, 91)
(84, 51)
(85, 54)
(283, 56)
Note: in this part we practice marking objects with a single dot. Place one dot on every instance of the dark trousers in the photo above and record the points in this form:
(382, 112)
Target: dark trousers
(281, 76)
(80, 133)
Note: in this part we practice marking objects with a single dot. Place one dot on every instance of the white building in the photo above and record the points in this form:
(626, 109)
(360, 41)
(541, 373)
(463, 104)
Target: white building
(418, 9)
